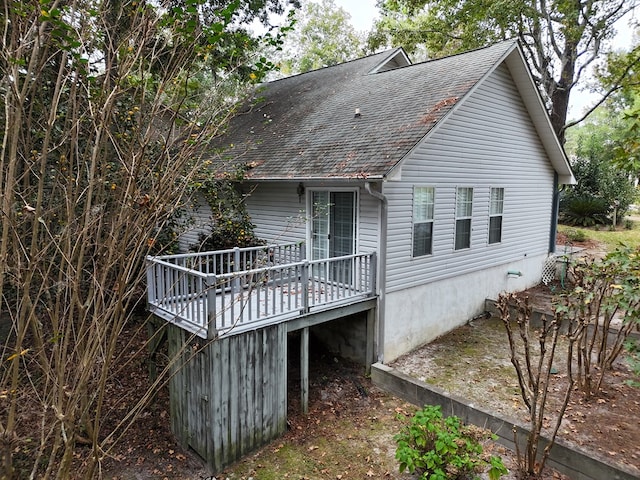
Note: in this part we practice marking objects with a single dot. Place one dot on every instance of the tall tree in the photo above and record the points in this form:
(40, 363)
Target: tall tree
(624, 105)
(103, 118)
(561, 38)
(322, 36)
(602, 188)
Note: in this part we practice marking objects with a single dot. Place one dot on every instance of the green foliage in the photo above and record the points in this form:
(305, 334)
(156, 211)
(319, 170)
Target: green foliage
(576, 235)
(444, 449)
(604, 291)
(107, 106)
(632, 348)
(583, 211)
(322, 36)
(623, 106)
(601, 185)
(560, 39)
(232, 226)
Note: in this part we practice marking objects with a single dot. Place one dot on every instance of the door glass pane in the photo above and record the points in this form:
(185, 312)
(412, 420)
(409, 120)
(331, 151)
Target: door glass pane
(341, 234)
(341, 241)
(319, 225)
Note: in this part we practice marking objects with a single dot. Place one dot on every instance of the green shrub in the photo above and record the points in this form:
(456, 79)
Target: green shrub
(632, 347)
(628, 224)
(584, 211)
(444, 449)
(576, 235)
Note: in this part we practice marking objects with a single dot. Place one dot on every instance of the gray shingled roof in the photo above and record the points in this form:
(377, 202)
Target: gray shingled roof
(304, 127)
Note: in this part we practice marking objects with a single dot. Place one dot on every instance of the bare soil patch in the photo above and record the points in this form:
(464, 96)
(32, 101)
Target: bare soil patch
(473, 362)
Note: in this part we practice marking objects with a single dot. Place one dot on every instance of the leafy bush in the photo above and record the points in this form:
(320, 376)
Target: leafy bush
(444, 449)
(632, 347)
(584, 211)
(226, 234)
(576, 235)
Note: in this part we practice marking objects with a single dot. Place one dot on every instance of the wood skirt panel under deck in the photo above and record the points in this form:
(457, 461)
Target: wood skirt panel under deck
(228, 396)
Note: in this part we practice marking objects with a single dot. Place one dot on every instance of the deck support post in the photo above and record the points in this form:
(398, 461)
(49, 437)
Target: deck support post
(304, 370)
(370, 333)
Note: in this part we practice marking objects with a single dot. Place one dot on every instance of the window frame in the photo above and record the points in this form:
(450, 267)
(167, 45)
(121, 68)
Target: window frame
(463, 218)
(494, 215)
(429, 208)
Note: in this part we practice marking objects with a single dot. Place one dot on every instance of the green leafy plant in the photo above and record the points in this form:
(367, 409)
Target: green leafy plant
(576, 235)
(606, 298)
(585, 212)
(440, 448)
(633, 359)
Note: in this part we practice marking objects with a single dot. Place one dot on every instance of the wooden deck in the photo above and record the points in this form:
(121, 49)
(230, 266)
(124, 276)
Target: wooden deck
(232, 291)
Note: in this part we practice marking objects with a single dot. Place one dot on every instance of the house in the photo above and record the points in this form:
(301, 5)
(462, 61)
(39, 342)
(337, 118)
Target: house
(439, 179)
(446, 168)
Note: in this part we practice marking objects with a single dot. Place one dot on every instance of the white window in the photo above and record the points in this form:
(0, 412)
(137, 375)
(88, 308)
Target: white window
(464, 210)
(495, 215)
(423, 205)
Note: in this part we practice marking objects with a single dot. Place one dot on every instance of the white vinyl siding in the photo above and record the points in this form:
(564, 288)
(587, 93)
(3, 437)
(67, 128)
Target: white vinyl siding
(423, 204)
(488, 142)
(280, 216)
(194, 222)
(277, 212)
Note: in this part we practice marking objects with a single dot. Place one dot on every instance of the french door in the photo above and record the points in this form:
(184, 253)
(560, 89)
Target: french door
(333, 231)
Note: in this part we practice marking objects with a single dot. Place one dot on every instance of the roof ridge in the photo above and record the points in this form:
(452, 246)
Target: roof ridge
(466, 52)
(391, 52)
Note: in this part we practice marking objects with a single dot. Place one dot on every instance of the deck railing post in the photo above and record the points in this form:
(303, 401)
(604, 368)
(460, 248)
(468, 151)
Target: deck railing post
(304, 286)
(212, 331)
(151, 282)
(236, 268)
(373, 269)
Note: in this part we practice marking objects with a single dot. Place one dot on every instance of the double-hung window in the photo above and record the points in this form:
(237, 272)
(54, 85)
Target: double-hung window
(495, 215)
(423, 205)
(464, 210)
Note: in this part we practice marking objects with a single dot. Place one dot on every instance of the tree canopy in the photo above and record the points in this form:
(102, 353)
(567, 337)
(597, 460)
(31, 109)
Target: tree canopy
(106, 107)
(624, 105)
(561, 39)
(322, 36)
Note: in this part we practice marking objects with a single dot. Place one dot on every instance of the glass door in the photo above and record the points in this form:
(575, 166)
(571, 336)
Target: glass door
(333, 232)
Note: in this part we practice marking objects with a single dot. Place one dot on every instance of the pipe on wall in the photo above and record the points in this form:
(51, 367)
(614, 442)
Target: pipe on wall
(555, 208)
(382, 267)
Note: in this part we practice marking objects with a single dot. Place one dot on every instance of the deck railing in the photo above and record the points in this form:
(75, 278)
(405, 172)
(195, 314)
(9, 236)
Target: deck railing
(207, 294)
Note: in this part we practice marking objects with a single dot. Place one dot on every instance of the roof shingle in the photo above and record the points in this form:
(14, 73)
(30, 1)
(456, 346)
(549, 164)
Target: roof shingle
(305, 127)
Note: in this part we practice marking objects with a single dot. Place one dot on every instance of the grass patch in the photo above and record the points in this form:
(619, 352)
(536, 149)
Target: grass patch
(606, 236)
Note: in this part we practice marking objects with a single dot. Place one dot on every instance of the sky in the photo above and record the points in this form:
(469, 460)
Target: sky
(363, 13)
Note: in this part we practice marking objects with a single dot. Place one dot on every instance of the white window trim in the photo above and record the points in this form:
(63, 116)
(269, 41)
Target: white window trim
(414, 222)
(466, 217)
(493, 215)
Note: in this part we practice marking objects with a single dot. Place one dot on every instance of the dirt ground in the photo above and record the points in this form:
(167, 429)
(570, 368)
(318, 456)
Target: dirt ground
(473, 362)
(348, 433)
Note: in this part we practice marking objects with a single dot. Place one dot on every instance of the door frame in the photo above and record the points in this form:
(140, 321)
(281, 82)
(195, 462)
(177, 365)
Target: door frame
(309, 205)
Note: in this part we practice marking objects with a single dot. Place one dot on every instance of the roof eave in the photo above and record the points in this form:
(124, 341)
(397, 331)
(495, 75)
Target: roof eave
(293, 178)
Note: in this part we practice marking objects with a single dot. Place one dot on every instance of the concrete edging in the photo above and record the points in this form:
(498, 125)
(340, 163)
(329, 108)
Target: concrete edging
(567, 459)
